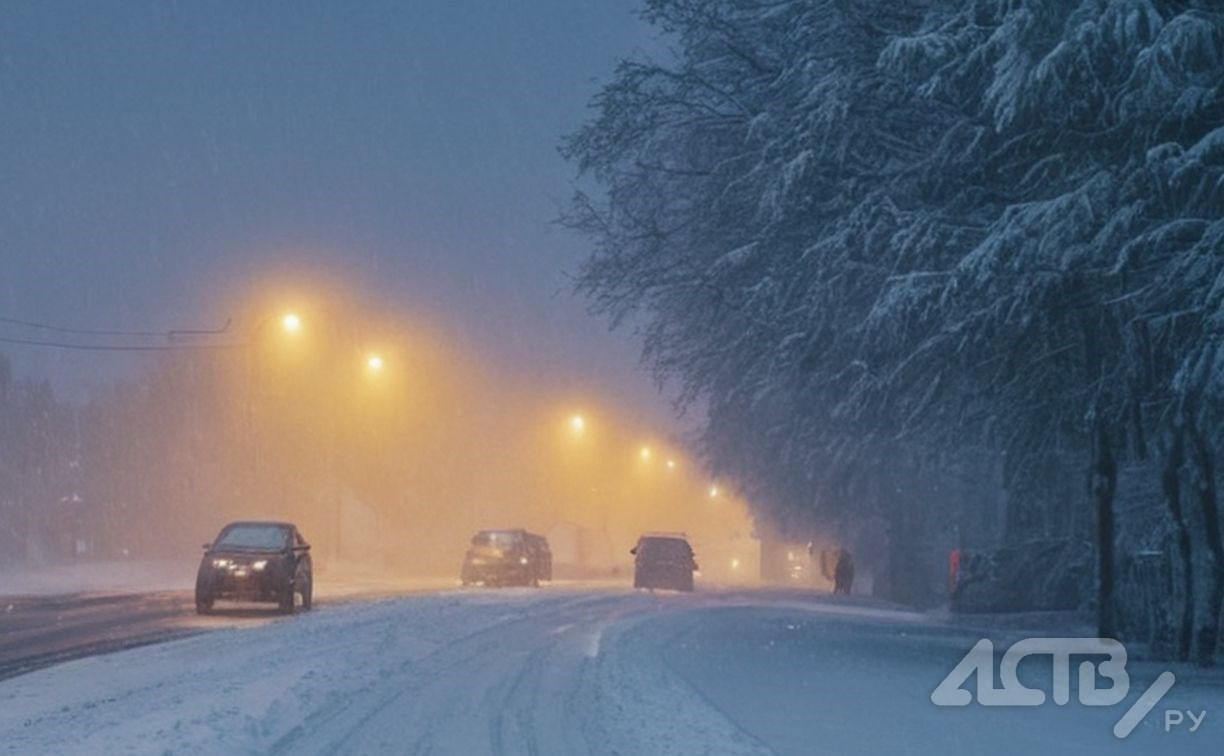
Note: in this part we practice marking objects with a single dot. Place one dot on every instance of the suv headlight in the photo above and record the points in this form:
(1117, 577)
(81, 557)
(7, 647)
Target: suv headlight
(259, 565)
(221, 563)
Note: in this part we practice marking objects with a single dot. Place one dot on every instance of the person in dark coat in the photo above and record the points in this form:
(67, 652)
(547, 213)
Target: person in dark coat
(843, 572)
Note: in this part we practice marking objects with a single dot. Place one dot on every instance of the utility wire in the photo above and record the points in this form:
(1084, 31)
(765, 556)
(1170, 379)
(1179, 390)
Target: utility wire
(171, 336)
(78, 331)
(122, 347)
(106, 332)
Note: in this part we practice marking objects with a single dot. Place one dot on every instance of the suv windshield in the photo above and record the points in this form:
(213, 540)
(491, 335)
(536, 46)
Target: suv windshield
(496, 539)
(664, 548)
(273, 537)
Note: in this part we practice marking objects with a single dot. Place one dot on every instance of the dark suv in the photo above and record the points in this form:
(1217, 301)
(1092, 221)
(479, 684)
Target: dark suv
(541, 555)
(507, 557)
(663, 560)
(255, 561)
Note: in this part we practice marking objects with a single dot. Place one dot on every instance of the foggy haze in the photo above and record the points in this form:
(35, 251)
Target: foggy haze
(386, 444)
(158, 159)
(314, 437)
(388, 171)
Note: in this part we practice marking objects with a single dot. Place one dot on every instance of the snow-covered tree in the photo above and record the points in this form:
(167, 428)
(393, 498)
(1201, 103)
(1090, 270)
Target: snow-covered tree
(39, 485)
(880, 239)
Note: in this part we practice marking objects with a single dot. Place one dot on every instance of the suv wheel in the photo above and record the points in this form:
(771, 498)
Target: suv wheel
(286, 600)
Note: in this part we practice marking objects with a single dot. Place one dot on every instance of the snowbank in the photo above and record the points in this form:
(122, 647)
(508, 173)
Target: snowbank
(98, 577)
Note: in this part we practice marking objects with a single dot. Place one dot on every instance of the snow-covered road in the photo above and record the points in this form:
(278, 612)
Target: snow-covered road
(88, 609)
(564, 671)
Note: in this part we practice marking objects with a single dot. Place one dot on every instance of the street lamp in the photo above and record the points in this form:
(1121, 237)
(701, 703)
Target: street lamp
(374, 364)
(713, 492)
(577, 424)
(290, 323)
(671, 464)
(644, 453)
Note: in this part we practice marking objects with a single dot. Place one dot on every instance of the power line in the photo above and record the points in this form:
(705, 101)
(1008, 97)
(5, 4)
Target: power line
(107, 332)
(121, 347)
(170, 335)
(78, 331)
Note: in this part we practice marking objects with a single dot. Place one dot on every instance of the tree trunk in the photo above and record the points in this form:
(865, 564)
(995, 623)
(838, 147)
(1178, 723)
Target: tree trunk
(1104, 482)
(1139, 437)
(1170, 481)
(1208, 632)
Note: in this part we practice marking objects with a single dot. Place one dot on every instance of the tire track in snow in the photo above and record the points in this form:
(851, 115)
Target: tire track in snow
(449, 673)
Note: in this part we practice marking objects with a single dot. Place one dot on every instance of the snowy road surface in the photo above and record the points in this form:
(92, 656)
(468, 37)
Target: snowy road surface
(48, 626)
(36, 631)
(565, 671)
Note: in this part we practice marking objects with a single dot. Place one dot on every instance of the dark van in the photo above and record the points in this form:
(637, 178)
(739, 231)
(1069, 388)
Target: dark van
(507, 557)
(663, 560)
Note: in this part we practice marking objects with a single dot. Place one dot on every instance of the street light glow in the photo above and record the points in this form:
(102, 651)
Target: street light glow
(713, 492)
(374, 363)
(644, 453)
(291, 322)
(671, 464)
(577, 424)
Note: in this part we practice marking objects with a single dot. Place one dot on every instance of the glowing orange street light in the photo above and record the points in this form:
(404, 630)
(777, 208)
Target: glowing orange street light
(291, 322)
(713, 492)
(671, 464)
(644, 453)
(577, 424)
(374, 363)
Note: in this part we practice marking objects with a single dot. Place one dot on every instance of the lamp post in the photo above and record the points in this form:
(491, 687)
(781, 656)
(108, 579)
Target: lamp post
(374, 365)
(576, 424)
(290, 324)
